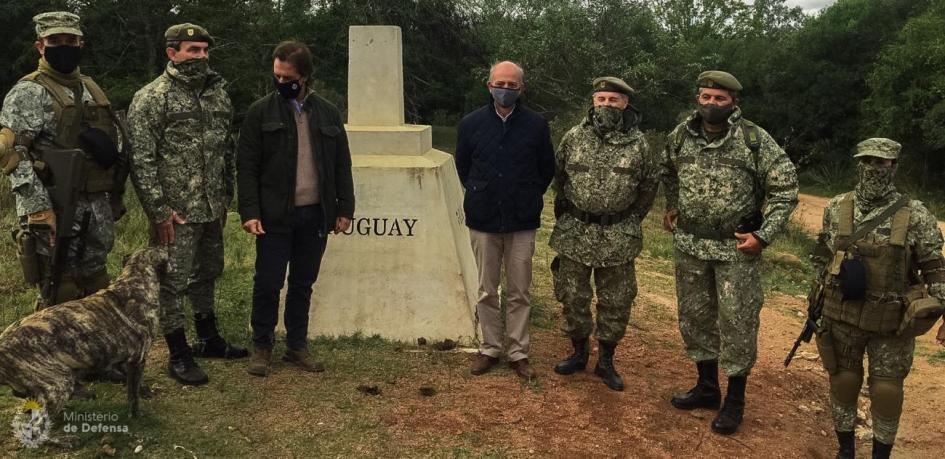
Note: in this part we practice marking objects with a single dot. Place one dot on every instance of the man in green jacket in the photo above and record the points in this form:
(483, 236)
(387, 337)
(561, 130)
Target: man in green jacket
(183, 171)
(295, 186)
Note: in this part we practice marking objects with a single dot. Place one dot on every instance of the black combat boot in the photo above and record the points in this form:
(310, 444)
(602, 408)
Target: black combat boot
(182, 366)
(706, 392)
(847, 443)
(730, 416)
(881, 450)
(575, 362)
(605, 366)
(210, 344)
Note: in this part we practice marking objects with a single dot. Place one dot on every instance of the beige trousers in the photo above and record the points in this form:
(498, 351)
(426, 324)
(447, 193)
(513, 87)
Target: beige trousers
(515, 251)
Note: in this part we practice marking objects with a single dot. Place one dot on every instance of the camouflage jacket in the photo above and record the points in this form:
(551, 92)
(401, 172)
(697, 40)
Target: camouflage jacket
(713, 184)
(184, 155)
(603, 176)
(923, 236)
(28, 111)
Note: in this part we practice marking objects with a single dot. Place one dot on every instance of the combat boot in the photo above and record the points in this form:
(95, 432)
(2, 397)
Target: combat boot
(575, 362)
(881, 450)
(605, 366)
(182, 366)
(259, 362)
(210, 344)
(730, 416)
(847, 442)
(706, 393)
(302, 359)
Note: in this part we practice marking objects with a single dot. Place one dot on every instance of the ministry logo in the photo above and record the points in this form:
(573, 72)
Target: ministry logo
(31, 424)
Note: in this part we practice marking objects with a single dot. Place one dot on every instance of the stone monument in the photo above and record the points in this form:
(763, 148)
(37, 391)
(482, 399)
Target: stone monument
(405, 268)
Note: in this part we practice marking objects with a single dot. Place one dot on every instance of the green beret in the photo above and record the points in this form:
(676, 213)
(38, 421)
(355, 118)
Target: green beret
(56, 22)
(187, 32)
(878, 147)
(612, 84)
(719, 79)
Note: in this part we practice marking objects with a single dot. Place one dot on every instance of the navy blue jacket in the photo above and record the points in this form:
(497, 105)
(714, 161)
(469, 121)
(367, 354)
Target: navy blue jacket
(506, 168)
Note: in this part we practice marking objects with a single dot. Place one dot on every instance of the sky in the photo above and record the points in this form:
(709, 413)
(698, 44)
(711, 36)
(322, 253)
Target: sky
(811, 6)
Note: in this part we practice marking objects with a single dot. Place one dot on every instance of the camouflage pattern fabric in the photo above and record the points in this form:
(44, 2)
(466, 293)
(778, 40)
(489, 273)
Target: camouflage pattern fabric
(603, 176)
(616, 290)
(889, 356)
(719, 307)
(712, 184)
(184, 155)
(195, 262)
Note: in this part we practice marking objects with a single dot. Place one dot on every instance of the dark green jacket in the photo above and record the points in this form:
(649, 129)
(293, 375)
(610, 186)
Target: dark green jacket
(268, 154)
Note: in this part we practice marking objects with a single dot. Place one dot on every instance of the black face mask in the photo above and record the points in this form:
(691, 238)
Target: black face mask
(713, 114)
(63, 58)
(290, 89)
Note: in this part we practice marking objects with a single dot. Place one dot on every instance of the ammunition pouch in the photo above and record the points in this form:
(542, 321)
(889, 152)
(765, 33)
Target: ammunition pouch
(825, 348)
(921, 314)
(99, 147)
(27, 256)
(852, 279)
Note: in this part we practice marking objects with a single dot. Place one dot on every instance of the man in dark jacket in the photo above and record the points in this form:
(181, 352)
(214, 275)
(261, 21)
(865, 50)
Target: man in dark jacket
(294, 180)
(506, 162)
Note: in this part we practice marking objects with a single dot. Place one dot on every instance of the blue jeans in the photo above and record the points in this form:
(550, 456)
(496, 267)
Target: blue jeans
(300, 249)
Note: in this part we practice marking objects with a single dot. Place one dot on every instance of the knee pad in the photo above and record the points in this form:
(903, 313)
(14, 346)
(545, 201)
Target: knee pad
(886, 397)
(845, 386)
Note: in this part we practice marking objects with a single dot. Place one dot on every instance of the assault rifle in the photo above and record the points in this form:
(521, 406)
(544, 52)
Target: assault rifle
(815, 306)
(65, 168)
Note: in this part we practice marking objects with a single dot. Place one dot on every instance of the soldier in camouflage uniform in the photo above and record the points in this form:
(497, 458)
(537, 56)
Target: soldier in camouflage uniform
(730, 189)
(183, 170)
(863, 313)
(605, 182)
(40, 120)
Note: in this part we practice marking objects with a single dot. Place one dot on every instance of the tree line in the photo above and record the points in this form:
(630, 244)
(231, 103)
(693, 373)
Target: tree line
(818, 83)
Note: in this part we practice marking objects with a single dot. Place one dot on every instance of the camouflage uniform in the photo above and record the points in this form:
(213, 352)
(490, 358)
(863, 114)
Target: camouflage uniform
(600, 176)
(30, 112)
(842, 341)
(184, 161)
(713, 184)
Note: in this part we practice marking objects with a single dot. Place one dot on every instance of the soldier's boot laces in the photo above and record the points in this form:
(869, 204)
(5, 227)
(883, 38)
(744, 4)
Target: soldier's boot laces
(847, 442)
(182, 366)
(605, 366)
(210, 344)
(577, 361)
(706, 393)
(881, 450)
(730, 416)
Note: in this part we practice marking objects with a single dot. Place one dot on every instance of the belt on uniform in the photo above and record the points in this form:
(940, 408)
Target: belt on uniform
(598, 219)
(718, 233)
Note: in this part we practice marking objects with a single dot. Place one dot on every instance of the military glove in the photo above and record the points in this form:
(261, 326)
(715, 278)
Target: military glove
(44, 221)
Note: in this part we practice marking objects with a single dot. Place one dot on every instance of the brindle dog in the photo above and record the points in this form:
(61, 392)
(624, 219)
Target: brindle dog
(44, 354)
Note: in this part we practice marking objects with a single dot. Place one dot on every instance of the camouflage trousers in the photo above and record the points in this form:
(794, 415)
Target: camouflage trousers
(616, 290)
(841, 348)
(195, 261)
(719, 306)
(83, 271)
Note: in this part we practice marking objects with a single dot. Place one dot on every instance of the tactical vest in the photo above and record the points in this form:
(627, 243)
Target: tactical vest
(71, 120)
(888, 274)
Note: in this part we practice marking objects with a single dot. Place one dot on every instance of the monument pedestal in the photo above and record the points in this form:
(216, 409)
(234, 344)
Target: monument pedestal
(405, 267)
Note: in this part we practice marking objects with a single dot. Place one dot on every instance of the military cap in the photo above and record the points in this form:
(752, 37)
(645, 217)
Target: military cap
(612, 84)
(878, 147)
(56, 22)
(718, 79)
(187, 32)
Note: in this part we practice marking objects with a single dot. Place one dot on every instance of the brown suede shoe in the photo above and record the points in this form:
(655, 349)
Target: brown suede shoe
(259, 362)
(523, 369)
(483, 364)
(302, 359)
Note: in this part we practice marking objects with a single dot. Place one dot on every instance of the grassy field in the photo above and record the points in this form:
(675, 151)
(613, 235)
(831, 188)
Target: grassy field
(290, 414)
